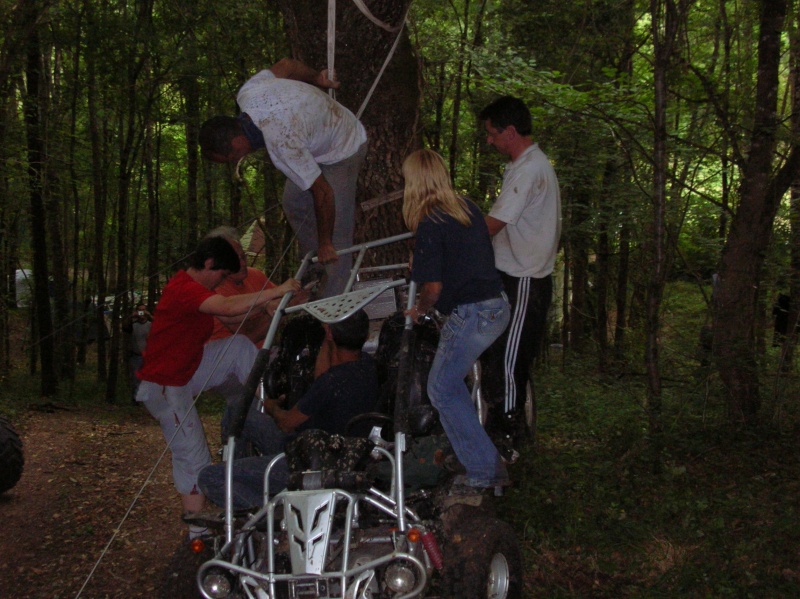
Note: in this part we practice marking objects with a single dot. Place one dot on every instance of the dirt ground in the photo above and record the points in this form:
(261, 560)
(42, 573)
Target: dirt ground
(83, 471)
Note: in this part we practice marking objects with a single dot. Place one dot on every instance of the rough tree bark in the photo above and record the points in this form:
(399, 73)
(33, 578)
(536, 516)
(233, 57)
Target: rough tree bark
(750, 233)
(36, 153)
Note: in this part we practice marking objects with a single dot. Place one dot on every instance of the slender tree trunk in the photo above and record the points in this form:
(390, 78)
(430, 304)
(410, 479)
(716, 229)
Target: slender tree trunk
(38, 216)
(790, 342)
(153, 222)
(191, 95)
(751, 230)
(664, 29)
(603, 269)
(130, 138)
(93, 307)
(621, 299)
(579, 251)
(459, 80)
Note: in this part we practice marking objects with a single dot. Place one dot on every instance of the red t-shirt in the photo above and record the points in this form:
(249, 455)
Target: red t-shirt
(255, 281)
(175, 345)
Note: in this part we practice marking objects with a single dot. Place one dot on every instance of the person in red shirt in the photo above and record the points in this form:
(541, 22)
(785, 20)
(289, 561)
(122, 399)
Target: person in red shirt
(254, 325)
(178, 364)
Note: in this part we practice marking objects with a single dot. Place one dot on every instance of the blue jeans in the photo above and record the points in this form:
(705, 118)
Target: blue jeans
(469, 330)
(248, 481)
(259, 429)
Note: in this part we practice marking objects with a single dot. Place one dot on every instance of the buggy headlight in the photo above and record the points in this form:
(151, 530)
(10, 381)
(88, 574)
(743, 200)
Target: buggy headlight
(399, 577)
(217, 584)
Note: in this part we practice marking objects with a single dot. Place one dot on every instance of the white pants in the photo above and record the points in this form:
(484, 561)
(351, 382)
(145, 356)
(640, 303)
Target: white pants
(224, 361)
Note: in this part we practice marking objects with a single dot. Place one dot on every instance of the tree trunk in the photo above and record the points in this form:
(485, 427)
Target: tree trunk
(135, 109)
(93, 307)
(191, 94)
(790, 341)
(36, 158)
(751, 230)
(579, 241)
(459, 75)
(153, 220)
(621, 299)
(664, 29)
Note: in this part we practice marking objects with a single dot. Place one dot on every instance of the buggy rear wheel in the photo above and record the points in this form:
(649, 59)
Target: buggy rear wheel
(483, 561)
(11, 457)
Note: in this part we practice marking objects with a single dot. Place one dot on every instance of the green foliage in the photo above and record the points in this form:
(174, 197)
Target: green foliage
(718, 519)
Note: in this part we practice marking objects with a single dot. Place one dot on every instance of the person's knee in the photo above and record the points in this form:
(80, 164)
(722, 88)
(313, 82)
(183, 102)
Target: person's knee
(209, 478)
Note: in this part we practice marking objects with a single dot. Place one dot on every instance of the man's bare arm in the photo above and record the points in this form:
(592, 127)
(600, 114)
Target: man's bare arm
(287, 420)
(289, 68)
(325, 211)
(495, 225)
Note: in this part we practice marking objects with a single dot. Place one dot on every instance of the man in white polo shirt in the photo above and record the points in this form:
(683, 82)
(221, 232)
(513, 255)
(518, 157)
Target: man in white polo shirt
(525, 224)
(315, 141)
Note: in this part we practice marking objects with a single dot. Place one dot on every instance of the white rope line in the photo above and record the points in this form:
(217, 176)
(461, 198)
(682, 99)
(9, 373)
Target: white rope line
(367, 13)
(331, 45)
(385, 62)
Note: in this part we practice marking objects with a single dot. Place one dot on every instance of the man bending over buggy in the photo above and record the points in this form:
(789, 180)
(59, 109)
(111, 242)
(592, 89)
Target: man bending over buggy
(345, 386)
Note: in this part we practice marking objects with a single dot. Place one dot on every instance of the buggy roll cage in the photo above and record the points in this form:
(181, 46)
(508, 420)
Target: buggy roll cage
(330, 310)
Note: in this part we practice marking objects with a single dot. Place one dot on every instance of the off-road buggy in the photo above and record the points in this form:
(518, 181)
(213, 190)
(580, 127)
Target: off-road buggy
(361, 517)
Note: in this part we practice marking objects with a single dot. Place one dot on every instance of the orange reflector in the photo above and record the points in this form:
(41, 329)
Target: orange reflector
(414, 535)
(197, 545)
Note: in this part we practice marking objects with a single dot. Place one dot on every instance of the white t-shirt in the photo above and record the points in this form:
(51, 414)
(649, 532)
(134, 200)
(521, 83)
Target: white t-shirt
(530, 205)
(303, 126)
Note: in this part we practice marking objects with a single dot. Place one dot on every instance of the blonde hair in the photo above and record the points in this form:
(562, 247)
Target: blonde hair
(428, 191)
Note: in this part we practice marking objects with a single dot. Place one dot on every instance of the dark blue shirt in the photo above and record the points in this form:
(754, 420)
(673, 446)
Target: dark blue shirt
(343, 392)
(460, 258)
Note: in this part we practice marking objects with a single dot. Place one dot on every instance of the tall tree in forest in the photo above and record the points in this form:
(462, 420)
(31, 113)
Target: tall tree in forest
(665, 15)
(136, 102)
(36, 159)
(762, 187)
(99, 187)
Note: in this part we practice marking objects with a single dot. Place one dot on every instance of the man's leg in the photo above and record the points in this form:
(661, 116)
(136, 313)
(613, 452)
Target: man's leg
(183, 431)
(298, 205)
(512, 355)
(343, 178)
(537, 294)
(232, 359)
(248, 481)
(225, 366)
(526, 336)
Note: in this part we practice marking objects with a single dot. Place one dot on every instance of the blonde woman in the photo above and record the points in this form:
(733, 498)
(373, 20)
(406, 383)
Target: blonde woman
(454, 266)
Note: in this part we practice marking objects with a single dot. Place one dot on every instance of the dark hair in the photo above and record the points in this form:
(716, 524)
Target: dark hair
(507, 111)
(352, 332)
(220, 250)
(216, 135)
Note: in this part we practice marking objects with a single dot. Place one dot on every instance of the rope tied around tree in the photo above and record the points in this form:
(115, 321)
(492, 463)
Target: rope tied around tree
(332, 44)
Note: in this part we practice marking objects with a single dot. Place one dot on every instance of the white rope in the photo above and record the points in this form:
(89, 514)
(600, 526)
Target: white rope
(366, 12)
(331, 44)
(385, 62)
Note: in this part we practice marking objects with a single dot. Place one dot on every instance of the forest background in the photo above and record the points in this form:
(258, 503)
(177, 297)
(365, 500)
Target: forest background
(673, 127)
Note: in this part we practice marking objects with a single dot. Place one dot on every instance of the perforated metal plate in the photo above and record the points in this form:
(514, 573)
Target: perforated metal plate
(337, 308)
